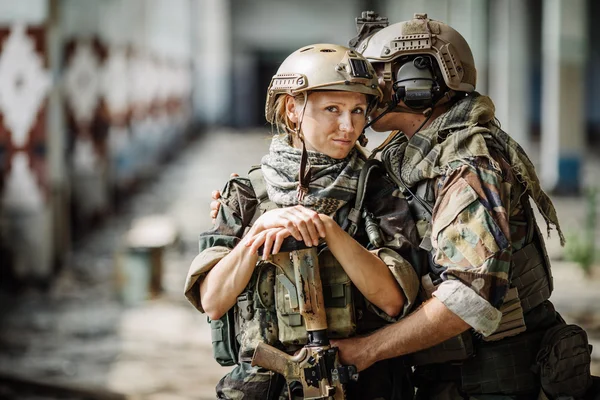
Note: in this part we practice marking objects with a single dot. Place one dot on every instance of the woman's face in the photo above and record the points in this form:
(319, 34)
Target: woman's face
(332, 121)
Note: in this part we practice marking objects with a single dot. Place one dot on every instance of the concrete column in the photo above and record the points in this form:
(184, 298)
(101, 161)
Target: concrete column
(57, 140)
(470, 18)
(212, 60)
(25, 208)
(564, 48)
(509, 67)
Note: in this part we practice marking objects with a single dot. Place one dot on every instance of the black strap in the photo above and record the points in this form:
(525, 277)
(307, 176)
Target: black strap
(351, 223)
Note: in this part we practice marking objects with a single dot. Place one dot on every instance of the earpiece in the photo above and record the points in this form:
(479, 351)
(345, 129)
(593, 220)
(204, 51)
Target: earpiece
(416, 84)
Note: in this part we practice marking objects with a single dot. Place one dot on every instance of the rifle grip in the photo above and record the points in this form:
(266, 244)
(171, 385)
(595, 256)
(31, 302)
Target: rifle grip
(275, 360)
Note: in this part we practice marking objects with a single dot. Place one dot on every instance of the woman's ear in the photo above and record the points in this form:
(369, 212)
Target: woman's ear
(290, 109)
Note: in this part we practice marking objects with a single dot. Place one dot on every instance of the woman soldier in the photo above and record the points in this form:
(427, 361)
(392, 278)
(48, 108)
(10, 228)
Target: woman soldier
(318, 101)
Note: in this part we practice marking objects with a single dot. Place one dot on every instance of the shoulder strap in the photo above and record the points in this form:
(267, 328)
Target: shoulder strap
(354, 216)
(260, 190)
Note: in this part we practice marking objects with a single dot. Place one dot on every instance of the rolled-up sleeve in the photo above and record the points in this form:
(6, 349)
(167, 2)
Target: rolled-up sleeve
(238, 203)
(404, 274)
(201, 264)
(469, 306)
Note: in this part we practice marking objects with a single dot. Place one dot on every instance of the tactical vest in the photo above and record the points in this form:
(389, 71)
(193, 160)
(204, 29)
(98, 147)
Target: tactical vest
(530, 281)
(269, 314)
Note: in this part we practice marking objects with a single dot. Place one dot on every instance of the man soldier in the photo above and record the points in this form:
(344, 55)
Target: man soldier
(487, 278)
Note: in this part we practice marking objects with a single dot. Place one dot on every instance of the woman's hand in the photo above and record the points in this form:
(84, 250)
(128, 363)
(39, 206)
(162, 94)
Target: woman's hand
(271, 238)
(302, 223)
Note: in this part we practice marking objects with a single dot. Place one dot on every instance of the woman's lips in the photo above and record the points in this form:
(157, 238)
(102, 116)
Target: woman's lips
(343, 141)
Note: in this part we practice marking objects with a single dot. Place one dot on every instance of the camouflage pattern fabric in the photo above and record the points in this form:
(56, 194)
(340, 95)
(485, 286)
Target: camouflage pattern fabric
(466, 131)
(382, 381)
(479, 176)
(478, 221)
(262, 325)
(238, 205)
(249, 383)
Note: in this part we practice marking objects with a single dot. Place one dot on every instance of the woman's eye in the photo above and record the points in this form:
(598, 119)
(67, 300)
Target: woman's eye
(331, 109)
(358, 111)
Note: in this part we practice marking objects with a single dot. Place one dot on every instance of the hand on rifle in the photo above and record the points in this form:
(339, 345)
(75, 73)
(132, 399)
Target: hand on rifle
(352, 351)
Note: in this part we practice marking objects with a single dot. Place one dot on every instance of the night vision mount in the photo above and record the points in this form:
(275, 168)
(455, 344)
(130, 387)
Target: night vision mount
(367, 24)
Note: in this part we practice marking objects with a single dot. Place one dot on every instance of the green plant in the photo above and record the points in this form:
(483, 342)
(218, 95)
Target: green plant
(581, 246)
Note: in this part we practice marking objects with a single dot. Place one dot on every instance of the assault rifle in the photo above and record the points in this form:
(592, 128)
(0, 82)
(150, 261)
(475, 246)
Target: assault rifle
(316, 366)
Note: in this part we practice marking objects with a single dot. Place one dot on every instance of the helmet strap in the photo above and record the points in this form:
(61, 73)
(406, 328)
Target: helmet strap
(305, 172)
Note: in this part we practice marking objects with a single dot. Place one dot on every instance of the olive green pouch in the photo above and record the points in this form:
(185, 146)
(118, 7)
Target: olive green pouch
(224, 342)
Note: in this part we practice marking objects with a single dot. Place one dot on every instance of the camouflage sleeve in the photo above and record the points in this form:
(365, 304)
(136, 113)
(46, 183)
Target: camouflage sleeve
(471, 240)
(238, 203)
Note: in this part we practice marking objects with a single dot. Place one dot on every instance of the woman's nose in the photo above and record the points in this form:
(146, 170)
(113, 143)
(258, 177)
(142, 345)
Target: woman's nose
(346, 123)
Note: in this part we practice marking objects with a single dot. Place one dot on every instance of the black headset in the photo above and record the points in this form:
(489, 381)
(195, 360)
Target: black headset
(416, 84)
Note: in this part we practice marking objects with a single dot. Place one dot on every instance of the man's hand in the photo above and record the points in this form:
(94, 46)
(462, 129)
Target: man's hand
(214, 204)
(352, 352)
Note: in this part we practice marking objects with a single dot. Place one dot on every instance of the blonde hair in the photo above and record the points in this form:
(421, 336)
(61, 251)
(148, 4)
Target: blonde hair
(281, 122)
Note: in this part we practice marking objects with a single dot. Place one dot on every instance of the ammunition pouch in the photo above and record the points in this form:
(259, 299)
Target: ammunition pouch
(252, 320)
(256, 317)
(563, 362)
(558, 359)
(338, 297)
(223, 337)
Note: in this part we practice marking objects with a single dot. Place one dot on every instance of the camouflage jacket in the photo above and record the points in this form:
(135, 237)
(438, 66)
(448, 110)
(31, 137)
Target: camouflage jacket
(383, 200)
(476, 177)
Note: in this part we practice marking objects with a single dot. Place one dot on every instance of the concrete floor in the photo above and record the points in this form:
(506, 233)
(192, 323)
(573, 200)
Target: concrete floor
(81, 334)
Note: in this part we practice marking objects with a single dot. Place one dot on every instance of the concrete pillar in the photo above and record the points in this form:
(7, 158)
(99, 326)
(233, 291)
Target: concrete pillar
(509, 67)
(57, 140)
(470, 18)
(212, 60)
(564, 48)
(25, 207)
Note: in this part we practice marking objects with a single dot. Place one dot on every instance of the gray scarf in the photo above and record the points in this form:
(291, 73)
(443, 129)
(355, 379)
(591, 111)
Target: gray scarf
(333, 182)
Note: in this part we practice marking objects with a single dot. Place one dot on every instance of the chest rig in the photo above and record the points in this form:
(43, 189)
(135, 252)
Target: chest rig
(339, 294)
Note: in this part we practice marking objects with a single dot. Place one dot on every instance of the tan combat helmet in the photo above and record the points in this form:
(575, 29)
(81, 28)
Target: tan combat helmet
(322, 67)
(422, 35)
